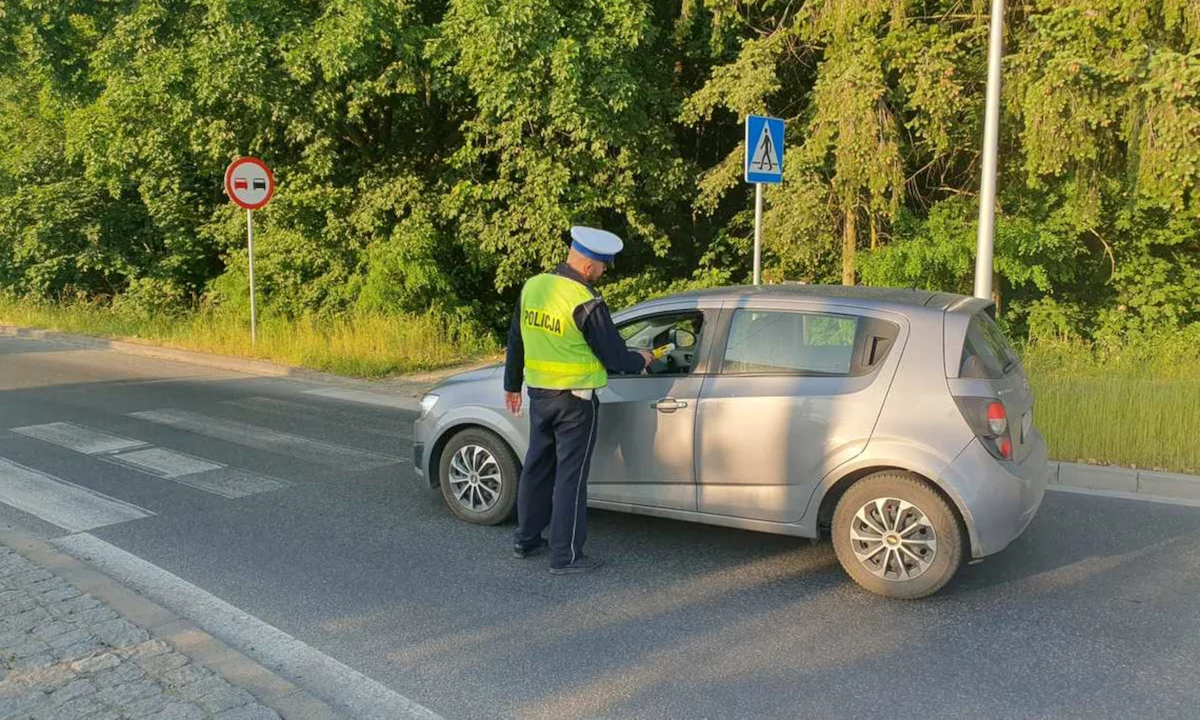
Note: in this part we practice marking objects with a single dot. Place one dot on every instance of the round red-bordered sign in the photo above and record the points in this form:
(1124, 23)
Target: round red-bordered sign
(249, 183)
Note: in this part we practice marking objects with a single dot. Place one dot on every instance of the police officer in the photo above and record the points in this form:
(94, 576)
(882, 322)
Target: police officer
(563, 345)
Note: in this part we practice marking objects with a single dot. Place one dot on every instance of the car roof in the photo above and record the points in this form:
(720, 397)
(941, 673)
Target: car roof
(876, 297)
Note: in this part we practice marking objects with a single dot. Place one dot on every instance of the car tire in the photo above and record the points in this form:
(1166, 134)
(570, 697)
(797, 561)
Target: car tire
(896, 536)
(478, 473)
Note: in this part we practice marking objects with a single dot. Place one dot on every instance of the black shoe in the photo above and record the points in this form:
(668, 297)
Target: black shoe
(582, 565)
(521, 551)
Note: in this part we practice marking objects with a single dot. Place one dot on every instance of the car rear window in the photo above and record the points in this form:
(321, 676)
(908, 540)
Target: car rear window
(986, 352)
(790, 342)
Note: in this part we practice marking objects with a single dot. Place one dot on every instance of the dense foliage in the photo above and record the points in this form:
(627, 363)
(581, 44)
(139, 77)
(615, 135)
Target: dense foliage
(431, 153)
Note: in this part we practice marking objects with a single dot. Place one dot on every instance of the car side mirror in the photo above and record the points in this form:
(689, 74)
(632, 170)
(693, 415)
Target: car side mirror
(683, 339)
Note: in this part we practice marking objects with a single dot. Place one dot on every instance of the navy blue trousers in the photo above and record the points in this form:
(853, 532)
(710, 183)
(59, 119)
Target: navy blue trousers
(553, 488)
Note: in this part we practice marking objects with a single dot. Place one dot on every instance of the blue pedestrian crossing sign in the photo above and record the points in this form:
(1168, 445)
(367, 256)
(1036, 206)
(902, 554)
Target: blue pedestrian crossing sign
(764, 149)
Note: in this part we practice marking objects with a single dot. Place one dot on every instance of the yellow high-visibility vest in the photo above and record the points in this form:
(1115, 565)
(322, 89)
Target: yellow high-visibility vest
(557, 357)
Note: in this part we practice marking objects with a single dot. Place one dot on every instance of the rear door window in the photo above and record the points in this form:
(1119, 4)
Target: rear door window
(986, 352)
(779, 342)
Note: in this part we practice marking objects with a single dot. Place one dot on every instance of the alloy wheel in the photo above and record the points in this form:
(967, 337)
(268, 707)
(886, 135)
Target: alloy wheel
(475, 478)
(893, 539)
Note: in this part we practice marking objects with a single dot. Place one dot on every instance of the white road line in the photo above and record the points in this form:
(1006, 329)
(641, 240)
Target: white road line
(233, 483)
(367, 398)
(316, 671)
(289, 409)
(201, 474)
(78, 438)
(333, 455)
(61, 503)
(165, 463)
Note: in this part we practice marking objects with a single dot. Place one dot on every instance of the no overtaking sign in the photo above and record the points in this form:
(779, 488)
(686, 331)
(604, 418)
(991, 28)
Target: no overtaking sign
(250, 185)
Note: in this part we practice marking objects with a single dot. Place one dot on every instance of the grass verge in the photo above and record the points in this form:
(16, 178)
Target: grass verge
(368, 346)
(1135, 408)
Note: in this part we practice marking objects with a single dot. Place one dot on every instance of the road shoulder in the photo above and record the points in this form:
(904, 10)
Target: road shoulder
(404, 391)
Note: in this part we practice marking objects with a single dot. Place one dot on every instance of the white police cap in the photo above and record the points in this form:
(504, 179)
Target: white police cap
(599, 245)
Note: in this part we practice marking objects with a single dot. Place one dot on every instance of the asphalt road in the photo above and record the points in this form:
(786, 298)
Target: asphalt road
(303, 511)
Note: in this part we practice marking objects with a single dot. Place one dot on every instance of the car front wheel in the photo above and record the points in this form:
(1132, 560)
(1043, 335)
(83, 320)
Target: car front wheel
(478, 474)
(896, 536)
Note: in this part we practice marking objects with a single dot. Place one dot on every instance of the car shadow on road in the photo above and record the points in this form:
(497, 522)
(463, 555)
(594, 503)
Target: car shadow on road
(1100, 533)
(1018, 636)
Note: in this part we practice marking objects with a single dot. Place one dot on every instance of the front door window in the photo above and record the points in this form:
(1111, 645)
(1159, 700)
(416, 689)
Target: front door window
(679, 332)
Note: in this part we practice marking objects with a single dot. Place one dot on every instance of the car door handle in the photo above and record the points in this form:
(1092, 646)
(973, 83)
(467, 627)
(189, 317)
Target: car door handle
(668, 405)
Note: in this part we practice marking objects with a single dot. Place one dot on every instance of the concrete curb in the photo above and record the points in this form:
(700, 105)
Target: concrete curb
(271, 689)
(1125, 482)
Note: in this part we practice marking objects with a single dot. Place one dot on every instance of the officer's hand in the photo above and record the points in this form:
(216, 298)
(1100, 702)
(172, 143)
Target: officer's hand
(513, 401)
(647, 357)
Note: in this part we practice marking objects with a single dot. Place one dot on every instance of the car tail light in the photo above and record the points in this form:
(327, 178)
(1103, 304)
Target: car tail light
(989, 421)
(997, 418)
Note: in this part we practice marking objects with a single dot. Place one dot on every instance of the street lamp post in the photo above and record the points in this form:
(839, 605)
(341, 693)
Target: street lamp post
(991, 140)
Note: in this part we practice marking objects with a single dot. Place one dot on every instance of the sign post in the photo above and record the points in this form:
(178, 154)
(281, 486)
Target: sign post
(250, 253)
(250, 185)
(764, 166)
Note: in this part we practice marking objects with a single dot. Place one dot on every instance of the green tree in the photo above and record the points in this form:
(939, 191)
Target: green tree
(432, 153)
(569, 123)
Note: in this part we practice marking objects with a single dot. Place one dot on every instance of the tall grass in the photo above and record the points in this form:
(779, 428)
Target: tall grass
(1137, 408)
(358, 345)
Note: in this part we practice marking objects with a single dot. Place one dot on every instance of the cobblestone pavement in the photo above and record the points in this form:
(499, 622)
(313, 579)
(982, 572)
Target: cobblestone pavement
(64, 654)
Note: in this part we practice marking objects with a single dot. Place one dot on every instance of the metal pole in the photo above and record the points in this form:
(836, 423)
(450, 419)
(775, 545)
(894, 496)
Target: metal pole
(250, 245)
(991, 139)
(758, 209)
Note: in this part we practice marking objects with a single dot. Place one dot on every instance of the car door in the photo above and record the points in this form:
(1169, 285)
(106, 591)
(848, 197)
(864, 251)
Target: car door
(645, 449)
(795, 391)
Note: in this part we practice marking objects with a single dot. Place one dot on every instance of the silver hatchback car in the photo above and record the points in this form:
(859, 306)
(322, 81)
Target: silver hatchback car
(898, 422)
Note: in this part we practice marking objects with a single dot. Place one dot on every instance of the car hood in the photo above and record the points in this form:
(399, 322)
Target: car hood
(481, 374)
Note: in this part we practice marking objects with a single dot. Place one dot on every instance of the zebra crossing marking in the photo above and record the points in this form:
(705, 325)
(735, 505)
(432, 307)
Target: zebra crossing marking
(289, 409)
(158, 462)
(62, 503)
(79, 438)
(260, 438)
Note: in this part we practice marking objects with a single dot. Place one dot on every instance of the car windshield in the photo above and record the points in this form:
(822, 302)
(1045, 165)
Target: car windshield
(634, 334)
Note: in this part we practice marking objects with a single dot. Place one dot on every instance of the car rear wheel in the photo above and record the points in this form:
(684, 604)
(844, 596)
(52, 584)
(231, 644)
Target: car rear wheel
(478, 474)
(896, 536)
